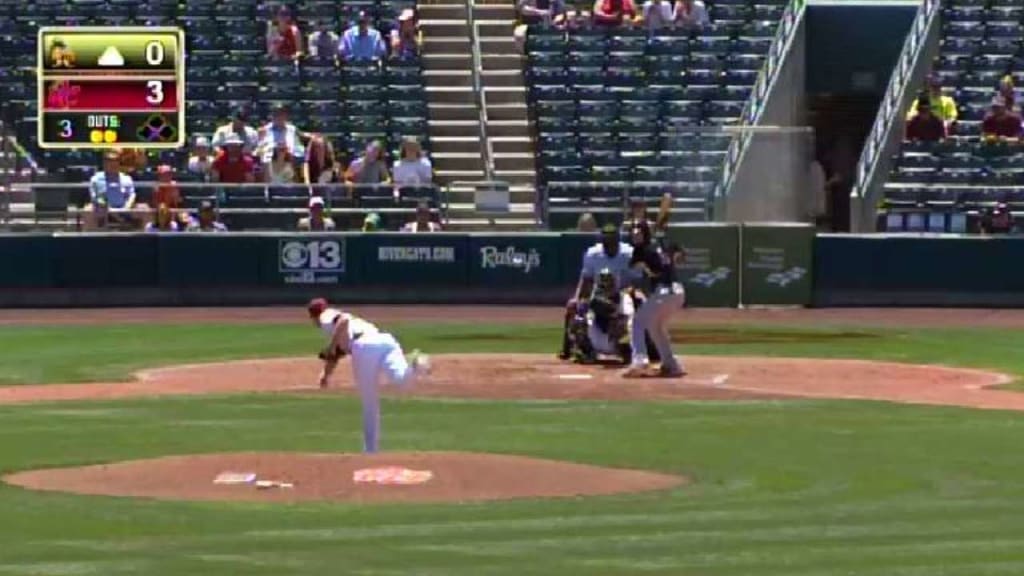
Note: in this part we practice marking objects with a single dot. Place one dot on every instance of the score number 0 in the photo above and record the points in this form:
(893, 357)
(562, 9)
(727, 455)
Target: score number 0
(155, 57)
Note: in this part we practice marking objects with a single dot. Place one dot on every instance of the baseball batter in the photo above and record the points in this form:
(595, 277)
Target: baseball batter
(373, 353)
(664, 297)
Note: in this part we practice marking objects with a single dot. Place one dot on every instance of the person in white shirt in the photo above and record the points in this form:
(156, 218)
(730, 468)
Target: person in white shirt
(691, 14)
(201, 160)
(657, 14)
(374, 353)
(423, 222)
(237, 127)
(611, 254)
(281, 168)
(412, 168)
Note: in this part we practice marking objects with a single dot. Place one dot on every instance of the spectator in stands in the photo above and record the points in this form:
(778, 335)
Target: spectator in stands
(1009, 93)
(370, 168)
(941, 105)
(233, 165)
(201, 161)
(162, 220)
(406, 38)
(284, 40)
(613, 12)
(657, 14)
(586, 223)
(281, 168)
(691, 14)
(362, 42)
(372, 222)
(998, 220)
(279, 130)
(250, 136)
(324, 42)
(422, 221)
(637, 213)
(111, 194)
(320, 167)
(166, 191)
(412, 167)
(925, 126)
(316, 221)
(132, 159)
(1000, 122)
(536, 12)
(206, 220)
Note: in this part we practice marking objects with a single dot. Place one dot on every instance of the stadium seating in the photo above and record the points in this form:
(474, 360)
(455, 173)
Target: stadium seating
(946, 186)
(626, 112)
(227, 69)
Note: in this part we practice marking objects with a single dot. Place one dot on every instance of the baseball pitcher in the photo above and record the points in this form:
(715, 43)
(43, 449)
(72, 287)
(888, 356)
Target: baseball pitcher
(373, 353)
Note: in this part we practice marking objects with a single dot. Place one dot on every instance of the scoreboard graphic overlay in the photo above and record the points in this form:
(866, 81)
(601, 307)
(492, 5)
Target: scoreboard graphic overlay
(108, 87)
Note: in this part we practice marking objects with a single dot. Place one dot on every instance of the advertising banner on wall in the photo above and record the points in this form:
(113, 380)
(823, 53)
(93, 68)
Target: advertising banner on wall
(777, 264)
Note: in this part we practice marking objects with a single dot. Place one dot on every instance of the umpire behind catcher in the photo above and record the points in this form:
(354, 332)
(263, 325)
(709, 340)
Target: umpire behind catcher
(610, 253)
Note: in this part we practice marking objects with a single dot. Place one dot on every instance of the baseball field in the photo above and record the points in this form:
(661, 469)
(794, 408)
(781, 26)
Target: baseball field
(802, 442)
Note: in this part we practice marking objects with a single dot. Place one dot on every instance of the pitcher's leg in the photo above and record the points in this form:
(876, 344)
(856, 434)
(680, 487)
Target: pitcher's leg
(397, 366)
(366, 365)
(371, 421)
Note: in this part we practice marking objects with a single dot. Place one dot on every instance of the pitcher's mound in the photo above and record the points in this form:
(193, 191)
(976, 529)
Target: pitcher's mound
(452, 477)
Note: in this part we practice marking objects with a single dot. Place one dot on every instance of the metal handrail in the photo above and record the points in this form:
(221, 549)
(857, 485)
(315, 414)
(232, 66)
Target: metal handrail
(754, 106)
(895, 93)
(478, 88)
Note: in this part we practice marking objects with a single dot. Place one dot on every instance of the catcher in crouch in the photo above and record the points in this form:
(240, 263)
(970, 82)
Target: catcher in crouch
(373, 353)
(602, 325)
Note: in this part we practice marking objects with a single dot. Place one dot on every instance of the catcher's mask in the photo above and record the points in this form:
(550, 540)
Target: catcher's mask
(606, 282)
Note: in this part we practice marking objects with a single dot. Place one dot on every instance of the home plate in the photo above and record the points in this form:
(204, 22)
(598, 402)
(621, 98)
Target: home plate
(575, 376)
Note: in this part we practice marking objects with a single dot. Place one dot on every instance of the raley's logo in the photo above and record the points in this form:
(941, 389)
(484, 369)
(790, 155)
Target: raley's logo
(492, 257)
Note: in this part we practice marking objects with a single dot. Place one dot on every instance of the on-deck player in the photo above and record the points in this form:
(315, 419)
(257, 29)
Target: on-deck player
(610, 253)
(373, 352)
(664, 297)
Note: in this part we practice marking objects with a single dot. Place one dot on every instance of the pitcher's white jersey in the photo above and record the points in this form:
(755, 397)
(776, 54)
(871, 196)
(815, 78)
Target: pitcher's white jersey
(356, 325)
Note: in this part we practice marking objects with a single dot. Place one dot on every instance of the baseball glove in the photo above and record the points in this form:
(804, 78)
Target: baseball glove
(329, 354)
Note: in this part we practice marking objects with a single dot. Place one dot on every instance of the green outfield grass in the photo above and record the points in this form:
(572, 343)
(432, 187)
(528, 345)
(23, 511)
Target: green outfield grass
(780, 488)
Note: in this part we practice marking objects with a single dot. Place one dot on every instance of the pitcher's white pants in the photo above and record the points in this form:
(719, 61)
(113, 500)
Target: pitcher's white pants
(373, 354)
(653, 318)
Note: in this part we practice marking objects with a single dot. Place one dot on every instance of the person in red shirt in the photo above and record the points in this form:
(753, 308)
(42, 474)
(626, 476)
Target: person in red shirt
(166, 191)
(613, 12)
(1000, 122)
(232, 164)
(284, 40)
(925, 126)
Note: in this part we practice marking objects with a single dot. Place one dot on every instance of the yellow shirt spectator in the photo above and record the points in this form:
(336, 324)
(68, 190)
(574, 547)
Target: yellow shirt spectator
(942, 106)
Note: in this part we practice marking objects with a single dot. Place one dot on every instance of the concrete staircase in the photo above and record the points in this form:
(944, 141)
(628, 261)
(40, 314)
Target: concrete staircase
(448, 73)
(461, 146)
(504, 99)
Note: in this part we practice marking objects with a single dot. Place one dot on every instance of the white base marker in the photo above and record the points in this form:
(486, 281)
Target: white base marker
(575, 376)
(720, 380)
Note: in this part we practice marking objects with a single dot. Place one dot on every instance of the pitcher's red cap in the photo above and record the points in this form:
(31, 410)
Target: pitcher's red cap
(316, 307)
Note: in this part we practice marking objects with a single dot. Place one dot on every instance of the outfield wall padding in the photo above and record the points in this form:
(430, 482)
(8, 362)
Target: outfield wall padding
(881, 270)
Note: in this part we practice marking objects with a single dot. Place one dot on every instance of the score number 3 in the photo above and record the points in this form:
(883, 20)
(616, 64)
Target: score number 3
(155, 92)
(66, 129)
